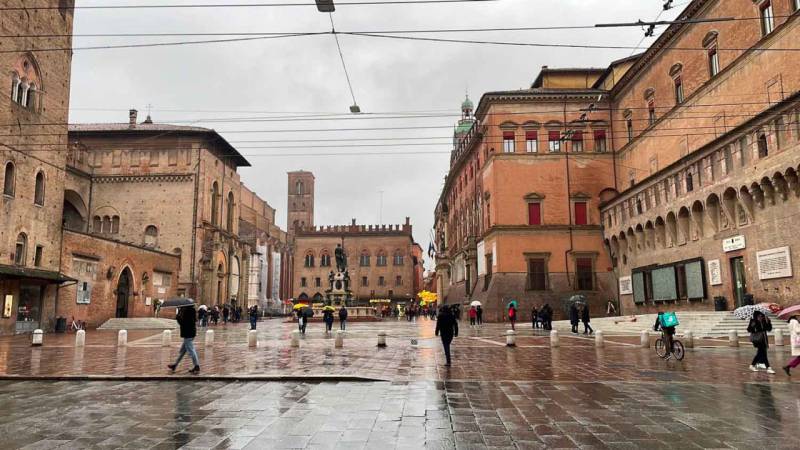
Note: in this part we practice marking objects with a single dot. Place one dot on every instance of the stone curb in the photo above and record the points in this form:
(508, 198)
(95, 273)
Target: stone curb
(185, 377)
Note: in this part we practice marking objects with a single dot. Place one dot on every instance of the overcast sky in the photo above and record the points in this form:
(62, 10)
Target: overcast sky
(272, 78)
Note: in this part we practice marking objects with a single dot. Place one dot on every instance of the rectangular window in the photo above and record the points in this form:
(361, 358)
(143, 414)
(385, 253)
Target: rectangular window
(303, 282)
(508, 142)
(584, 274)
(317, 282)
(532, 141)
(580, 213)
(689, 182)
(767, 18)
(116, 156)
(398, 281)
(713, 61)
(600, 140)
(381, 281)
(154, 157)
(678, 90)
(554, 141)
(629, 128)
(763, 147)
(37, 257)
(534, 213)
(173, 157)
(364, 281)
(537, 274)
(651, 112)
(364, 261)
(577, 141)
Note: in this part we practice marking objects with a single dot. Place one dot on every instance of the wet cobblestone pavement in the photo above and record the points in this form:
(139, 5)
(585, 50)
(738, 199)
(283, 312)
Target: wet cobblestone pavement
(531, 396)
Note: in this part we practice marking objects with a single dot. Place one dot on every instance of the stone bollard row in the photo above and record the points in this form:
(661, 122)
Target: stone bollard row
(733, 338)
(779, 338)
(688, 339)
(80, 338)
(295, 338)
(209, 338)
(381, 339)
(252, 338)
(339, 342)
(645, 339)
(37, 338)
(599, 341)
(166, 338)
(554, 338)
(511, 338)
(122, 338)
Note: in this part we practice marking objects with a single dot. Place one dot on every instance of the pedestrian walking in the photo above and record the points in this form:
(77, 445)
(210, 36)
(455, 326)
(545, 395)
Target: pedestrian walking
(479, 310)
(447, 329)
(611, 308)
(342, 318)
(187, 321)
(535, 317)
(202, 314)
(253, 314)
(512, 315)
(574, 317)
(215, 314)
(794, 342)
(473, 316)
(587, 329)
(225, 314)
(758, 327)
(547, 317)
(327, 317)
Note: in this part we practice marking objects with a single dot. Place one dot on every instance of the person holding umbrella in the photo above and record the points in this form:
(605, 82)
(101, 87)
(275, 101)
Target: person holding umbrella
(473, 316)
(793, 315)
(187, 320)
(253, 314)
(327, 317)
(447, 328)
(587, 329)
(574, 317)
(512, 313)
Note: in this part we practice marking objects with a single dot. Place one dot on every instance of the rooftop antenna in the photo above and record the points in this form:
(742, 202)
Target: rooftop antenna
(380, 209)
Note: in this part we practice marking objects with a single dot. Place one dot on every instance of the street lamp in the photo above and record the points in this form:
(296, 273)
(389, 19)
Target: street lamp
(325, 6)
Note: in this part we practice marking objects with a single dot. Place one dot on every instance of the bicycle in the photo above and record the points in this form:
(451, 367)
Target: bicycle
(677, 348)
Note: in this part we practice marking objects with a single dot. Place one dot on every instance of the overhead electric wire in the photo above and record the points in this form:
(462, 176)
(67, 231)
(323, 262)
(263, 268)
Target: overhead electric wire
(240, 5)
(341, 57)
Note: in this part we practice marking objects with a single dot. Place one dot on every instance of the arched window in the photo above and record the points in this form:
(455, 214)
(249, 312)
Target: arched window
(763, 147)
(15, 85)
(106, 224)
(710, 44)
(398, 258)
(230, 212)
(21, 249)
(215, 203)
(675, 72)
(364, 259)
(650, 99)
(8, 180)
(299, 187)
(38, 195)
(325, 259)
(97, 224)
(381, 259)
(151, 236)
(309, 262)
(628, 115)
(115, 225)
(30, 99)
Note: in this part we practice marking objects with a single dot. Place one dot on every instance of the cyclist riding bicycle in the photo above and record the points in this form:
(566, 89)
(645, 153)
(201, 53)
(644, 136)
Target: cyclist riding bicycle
(667, 334)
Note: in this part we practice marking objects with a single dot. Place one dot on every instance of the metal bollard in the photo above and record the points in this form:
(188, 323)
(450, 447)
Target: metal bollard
(209, 338)
(166, 338)
(381, 339)
(295, 338)
(122, 338)
(80, 338)
(554, 338)
(38, 338)
(688, 339)
(645, 339)
(733, 338)
(598, 338)
(339, 342)
(252, 338)
(511, 338)
(779, 338)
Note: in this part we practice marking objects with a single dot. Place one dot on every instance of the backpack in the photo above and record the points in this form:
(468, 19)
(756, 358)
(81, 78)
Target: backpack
(511, 313)
(669, 319)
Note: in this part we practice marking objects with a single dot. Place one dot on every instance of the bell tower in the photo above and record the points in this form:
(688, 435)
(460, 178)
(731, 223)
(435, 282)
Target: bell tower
(300, 203)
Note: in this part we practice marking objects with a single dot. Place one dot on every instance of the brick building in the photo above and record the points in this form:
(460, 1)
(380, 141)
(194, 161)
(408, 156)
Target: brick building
(665, 178)
(383, 261)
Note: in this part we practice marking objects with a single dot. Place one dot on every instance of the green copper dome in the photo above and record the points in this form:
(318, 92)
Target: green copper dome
(463, 126)
(467, 105)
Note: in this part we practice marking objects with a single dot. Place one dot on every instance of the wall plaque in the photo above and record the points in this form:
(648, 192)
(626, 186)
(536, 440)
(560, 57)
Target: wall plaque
(625, 285)
(714, 272)
(733, 243)
(774, 263)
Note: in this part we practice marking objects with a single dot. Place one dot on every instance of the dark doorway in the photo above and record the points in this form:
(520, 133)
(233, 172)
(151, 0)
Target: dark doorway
(739, 280)
(124, 292)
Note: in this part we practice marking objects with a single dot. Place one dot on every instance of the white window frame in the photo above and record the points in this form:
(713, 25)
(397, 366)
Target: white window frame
(767, 17)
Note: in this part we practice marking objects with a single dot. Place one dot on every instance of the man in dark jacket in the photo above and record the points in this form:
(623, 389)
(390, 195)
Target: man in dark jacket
(187, 318)
(342, 318)
(253, 313)
(758, 327)
(587, 329)
(573, 317)
(447, 328)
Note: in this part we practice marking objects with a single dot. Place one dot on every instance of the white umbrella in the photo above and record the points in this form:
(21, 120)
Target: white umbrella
(475, 303)
(204, 307)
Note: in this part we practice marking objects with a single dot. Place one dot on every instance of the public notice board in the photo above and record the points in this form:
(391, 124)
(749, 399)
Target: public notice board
(625, 285)
(774, 263)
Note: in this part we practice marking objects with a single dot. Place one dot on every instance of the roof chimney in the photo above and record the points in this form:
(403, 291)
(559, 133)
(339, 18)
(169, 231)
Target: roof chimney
(132, 118)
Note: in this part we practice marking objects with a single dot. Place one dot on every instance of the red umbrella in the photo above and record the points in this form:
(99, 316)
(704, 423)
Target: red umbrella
(789, 312)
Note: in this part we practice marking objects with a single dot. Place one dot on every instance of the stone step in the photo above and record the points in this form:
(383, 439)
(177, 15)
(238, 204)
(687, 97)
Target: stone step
(139, 323)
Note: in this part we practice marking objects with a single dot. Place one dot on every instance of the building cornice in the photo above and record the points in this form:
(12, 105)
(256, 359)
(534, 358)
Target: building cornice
(172, 178)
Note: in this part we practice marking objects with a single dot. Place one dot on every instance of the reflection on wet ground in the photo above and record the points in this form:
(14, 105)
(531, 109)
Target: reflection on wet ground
(383, 415)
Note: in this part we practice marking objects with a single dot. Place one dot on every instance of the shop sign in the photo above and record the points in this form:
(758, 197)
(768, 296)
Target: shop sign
(774, 263)
(625, 285)
(733, 243)
(714, 272)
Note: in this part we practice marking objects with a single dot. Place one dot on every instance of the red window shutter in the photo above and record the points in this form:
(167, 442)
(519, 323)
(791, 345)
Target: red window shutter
(531, 135)
(599, 135)
(554, 135)
(508, 135)
(534, 214)
(577, 135)
(580, 213)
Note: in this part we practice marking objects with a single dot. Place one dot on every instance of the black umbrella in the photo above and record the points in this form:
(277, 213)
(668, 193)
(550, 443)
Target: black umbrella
(178, 302)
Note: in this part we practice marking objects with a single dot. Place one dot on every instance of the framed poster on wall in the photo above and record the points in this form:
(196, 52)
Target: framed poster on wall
(7, 306)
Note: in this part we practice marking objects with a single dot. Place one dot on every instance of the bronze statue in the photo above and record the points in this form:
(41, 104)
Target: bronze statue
(341, 262)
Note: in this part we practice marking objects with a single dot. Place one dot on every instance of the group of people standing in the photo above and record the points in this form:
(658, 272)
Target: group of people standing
(542, 318)
(228, 313)
(579, 312)
(475, 315)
